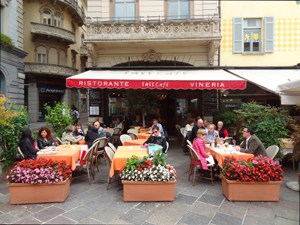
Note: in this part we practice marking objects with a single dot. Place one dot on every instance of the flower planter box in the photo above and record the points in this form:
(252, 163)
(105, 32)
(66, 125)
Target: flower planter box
(246, 191)
(146, 191)
(20, 193)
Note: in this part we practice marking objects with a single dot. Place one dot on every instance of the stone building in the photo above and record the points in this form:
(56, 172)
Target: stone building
(12, 55)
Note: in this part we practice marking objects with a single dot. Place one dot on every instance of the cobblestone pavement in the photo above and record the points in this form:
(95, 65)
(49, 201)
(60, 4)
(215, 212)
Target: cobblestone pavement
(199, 204)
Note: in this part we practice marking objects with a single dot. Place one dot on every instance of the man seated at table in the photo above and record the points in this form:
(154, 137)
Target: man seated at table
(68, 135)
(101, 131)
(137, 122)
(199, 125)
(157, 124)
(156, 138)
(251, 143)
(212, 134)
(92, 134)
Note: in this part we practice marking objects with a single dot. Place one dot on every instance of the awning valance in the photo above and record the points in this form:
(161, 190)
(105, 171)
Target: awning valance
(284, 82)
(157, 79)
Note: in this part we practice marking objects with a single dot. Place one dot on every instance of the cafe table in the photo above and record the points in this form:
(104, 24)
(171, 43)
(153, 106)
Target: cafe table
(143, 135)
(221, 152)
(70, 154)
(123, 153)
(134, 142)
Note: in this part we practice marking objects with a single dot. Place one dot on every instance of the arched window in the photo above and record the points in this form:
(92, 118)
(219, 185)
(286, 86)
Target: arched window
(2, 83)
(53, 56)
(62, 58)
(57, 20)
(41, 54)
(47, 17)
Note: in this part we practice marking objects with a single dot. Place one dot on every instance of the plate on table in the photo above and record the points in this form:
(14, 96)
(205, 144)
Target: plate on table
(46, 152)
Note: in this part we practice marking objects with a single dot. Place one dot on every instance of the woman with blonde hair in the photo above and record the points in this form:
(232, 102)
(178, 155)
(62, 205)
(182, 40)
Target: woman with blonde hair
(199, 146)
(68, 135)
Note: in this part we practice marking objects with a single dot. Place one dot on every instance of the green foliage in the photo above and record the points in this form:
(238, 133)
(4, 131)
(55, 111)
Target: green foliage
(159, 158)
(60, 116)
(228, 118)
(10, 130)
(6, 41)
(269, 123)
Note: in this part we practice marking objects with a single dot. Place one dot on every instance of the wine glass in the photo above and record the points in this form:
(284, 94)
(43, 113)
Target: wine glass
(233, 142)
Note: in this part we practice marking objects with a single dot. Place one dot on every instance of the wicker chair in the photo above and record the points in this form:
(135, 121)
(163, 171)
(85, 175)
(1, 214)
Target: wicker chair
(110, 155)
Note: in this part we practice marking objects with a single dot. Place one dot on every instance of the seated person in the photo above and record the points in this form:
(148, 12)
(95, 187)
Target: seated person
(44, 138)
(92, 134)
(119, 123)
(212, 134)
(156, 139)
(101, 131)
(26, 145)
(223, 133)
(68, 136)
(160, 127)
(137, 122)
(78, 130)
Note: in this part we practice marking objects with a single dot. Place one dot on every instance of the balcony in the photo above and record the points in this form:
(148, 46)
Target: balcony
(43, 68)
(111, 29)
(46, 31)
(73, 8)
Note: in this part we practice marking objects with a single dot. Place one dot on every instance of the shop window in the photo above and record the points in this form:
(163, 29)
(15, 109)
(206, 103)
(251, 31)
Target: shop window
(178, 9)
(125, 10)
(41, 54)
(53, 56)
(57, 20)
(47, 17)
(247, 35)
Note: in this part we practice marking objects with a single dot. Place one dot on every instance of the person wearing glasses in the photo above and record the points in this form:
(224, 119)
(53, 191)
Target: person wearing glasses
(156, 138)
(199, 146)
(251, 143)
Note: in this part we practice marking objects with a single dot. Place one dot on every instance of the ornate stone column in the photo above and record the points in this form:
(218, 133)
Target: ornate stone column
(212, 49)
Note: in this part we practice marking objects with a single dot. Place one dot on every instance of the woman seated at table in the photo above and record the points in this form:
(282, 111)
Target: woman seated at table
(68, 136)
(44, 138)
(78, 130)
(156, 139)
(27, 145)
(199, 146)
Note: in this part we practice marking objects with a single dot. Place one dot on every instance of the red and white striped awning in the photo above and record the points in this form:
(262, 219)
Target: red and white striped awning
(157, 79)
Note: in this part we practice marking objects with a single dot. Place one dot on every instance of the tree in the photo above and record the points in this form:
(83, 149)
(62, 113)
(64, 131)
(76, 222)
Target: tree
(12, 122)
(60, 116)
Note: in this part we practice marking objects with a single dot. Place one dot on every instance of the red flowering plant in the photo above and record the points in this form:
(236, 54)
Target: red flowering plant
(150, 168)
(260, 169)
(38, 171)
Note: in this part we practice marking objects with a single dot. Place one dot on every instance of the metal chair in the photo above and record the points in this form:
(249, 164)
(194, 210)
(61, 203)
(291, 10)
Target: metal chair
(116, 136)
(133, 136)
(133, 131)
(167, 148)
(272, 151)
(125, 137)
(101, 143)
(112, 146)
(189, 142)
(21, 153)
(110, 155)
(194, 166)
(59, 140)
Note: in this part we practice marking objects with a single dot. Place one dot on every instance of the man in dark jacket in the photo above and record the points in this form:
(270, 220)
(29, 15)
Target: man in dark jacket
(156, 138)
(91, 135)
(199, 125)
(251, 143)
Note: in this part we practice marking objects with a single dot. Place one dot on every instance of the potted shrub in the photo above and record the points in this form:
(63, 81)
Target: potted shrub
(258, 179)
(148, 179)
(39, 181)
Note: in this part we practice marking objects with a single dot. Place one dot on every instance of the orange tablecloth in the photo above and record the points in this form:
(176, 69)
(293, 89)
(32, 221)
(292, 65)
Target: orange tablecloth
(134, 142)
(69, 154)
(143, 135)
(144, 130)
(221, 157)
(122, 154)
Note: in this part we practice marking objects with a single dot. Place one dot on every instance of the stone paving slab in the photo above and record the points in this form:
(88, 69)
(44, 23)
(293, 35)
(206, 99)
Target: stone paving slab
(200, 204)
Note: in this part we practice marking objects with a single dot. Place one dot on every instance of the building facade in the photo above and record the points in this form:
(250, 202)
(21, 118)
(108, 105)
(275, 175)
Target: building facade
(152, 33)
(12, 55)
(259, 34)
(53, 39)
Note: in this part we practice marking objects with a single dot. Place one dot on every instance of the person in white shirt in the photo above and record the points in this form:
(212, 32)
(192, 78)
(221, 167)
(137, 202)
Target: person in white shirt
(188, 127)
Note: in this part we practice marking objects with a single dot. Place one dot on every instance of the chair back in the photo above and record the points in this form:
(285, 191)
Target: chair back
(109, 130)
(182, 131)
(21, 153)
(133, 131)
(133, 136)
(90, 152)
(189, 142)
(59, 140)
(117, 131)
(168, 145)
(228, 140)
(125, 137)
(272, 151)
(101, 142)
(112, 146)
(193, 153)
(110, 153)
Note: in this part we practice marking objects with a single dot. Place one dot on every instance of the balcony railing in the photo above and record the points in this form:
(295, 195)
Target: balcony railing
(73, 5)
(147, 28)
(54, 32)
(43, 68)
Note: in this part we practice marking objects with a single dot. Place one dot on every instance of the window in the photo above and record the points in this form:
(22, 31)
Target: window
(2, 83)
(47, 17)
(57, 20)
(178, 9)
(248, 38)
(125, 9)
(1, 18)
(41, 54)
(251, 34)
